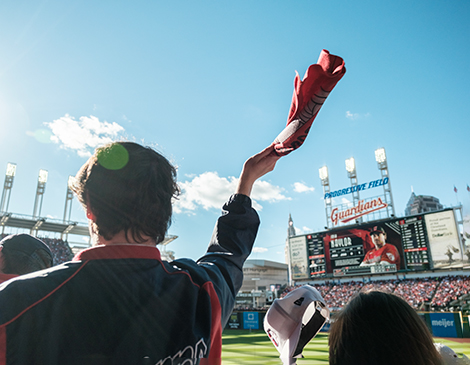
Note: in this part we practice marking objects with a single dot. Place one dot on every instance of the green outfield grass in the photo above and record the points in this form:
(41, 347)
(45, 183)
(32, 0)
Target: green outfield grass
(254, 347)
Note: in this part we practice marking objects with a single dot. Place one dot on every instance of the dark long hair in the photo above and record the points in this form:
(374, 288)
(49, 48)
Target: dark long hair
(380, 328)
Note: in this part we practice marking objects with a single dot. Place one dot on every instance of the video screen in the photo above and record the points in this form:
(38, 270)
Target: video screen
(368, 249)
(418, 243)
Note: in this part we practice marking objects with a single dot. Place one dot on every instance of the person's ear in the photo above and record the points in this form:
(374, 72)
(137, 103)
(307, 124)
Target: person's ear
(90, 215)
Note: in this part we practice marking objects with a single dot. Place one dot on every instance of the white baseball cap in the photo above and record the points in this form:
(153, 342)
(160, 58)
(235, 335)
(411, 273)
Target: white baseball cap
(449, 357)
(291, 322)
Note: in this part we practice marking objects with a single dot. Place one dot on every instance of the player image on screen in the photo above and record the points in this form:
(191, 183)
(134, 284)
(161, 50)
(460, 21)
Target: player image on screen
(383, 252)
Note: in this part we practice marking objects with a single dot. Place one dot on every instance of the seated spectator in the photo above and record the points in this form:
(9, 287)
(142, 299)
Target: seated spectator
(21, 254)
(380, 328)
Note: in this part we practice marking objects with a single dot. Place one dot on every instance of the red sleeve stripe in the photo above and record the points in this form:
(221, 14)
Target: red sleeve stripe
(3, 345)
(215, 353)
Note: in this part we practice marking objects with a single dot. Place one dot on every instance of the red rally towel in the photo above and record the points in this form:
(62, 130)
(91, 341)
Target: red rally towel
(309, 96)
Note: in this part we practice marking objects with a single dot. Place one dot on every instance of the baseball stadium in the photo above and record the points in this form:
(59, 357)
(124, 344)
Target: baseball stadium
(422, 257)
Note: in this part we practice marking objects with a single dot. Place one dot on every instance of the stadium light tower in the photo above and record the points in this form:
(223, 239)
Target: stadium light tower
(68, 199)
(42, 179)
(351, 169)
(9, 177)
(381, 159)
(325, 181)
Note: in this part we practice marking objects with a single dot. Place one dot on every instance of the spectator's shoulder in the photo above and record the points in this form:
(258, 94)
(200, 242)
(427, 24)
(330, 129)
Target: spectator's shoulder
(22, 292)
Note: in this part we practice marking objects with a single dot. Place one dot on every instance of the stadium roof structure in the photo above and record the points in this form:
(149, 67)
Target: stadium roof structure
(43, 224)
(264, 263)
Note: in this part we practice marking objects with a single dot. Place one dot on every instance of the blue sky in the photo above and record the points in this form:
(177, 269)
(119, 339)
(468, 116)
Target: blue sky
(209, 83)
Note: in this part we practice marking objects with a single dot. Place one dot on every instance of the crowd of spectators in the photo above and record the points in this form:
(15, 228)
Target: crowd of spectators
(417, 291)
(438, 292)
(339, 294)
(450, 289)
(384, 285)
(61, 251)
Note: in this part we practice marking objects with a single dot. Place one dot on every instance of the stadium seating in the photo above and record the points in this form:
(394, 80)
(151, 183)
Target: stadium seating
(437, 292)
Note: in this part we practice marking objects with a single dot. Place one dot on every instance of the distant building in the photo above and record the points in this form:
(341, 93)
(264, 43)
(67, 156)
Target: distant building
(422, 204)
(290, 233)
(290, 228)
(261, 280)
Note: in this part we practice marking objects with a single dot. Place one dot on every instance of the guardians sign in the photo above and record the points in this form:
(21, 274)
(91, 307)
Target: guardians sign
(362, 208)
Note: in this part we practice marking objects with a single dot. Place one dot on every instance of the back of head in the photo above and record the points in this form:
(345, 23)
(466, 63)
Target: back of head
(380, 328)
(23, 253)
(128, 188)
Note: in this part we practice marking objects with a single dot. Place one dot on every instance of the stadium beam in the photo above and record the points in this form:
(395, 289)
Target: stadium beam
(68, 200)
(351, 169)
(42, 179)
(4, 220)
(381, 159)
(9, 177)
(325, 181)
(35, 228)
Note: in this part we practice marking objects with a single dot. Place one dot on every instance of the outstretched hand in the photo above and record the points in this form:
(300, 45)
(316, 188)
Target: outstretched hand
(255, 167)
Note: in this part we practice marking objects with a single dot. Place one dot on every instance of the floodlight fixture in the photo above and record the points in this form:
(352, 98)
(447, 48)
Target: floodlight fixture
(323, 171)
(42, 176)
(380, 156)
(11, 169)
(71, 181)
(350, 165)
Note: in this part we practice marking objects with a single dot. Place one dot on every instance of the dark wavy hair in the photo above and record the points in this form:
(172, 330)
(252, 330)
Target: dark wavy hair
(380, 328)
(128, 188)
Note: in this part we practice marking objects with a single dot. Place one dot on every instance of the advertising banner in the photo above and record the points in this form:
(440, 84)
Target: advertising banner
(443, 240)
(443, 324)
(298, 257)
(234, 321)
(465, 234)
(351, 214)
(250, 320)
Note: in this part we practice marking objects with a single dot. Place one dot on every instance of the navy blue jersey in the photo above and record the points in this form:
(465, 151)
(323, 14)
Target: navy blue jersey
(121, 304)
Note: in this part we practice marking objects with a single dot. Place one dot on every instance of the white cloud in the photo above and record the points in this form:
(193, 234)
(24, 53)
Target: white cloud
(83, 135)
(302, 188)
(351, 116)
(355, 116)
(259, 249)
(208, 190)
(303, 230)
(346, 201)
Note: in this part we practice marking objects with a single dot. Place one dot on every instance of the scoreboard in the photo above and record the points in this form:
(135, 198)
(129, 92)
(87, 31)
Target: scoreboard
(414, 242)
(424, 242)
(316, 255)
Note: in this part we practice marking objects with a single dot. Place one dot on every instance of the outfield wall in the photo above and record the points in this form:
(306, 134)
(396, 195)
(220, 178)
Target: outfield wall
(441, 324)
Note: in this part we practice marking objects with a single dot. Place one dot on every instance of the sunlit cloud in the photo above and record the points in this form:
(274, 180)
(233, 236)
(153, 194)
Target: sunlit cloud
(210, 191)
(83, 135)
(355, 116)
(303, 230)
(346, 201)
(302, 188)
(259, 249)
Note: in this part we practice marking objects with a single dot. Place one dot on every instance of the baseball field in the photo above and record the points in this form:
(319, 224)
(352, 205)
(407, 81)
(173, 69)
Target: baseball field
(254, 348)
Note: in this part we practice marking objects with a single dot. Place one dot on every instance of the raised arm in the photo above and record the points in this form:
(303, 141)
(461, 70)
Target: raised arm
(255, 167)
